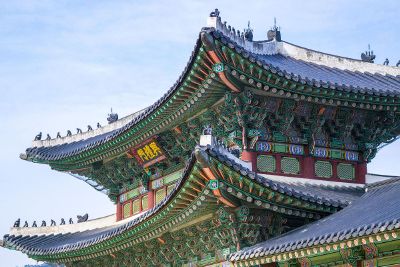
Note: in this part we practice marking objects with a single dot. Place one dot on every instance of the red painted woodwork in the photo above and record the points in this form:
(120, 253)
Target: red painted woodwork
(361, 172)
(250, 156)
(307, 165)
(119, 210)
(151, 198)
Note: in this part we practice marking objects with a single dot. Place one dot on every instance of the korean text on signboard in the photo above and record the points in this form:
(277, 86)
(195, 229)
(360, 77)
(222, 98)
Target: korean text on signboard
(148, 153)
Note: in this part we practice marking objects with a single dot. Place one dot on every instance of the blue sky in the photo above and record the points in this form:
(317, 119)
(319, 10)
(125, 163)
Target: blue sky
(64, 64)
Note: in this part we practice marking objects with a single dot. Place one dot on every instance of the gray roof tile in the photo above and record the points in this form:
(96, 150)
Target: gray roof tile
(377, 210)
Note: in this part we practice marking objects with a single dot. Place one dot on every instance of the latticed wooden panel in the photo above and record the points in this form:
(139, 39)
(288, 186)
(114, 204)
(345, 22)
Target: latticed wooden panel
(145, 202)
(170, 188)
(290, 165)
(127, 210)
(136, 206)
(345, 171)
(323, 169)
(266, 163)
(160, 195)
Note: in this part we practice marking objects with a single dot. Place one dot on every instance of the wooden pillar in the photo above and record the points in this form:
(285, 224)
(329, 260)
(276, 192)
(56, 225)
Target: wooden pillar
(251, 157)
(361, 172)
(151, 199)
(308, 167)
(119, 210)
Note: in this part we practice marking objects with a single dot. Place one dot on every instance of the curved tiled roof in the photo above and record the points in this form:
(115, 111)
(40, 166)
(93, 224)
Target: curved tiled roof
(318, 75)
(365, 81)
(376, 211)
(273, 59)
(330, 195)
(57, 243)
(50, 153)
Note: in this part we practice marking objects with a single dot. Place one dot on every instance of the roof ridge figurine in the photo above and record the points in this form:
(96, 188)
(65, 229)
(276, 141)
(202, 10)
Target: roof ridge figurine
(386, 62)
(38, 136)
(82, 218)
(17, 223)
(368, 56)
(215, 13)
(112, 117)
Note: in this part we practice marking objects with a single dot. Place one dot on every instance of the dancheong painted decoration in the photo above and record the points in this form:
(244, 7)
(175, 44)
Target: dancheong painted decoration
(256, 156)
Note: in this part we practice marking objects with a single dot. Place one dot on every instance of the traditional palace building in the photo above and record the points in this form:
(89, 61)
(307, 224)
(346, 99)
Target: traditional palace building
(256, 156)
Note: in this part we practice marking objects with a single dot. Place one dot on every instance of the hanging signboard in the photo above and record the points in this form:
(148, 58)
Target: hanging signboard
(147, 153)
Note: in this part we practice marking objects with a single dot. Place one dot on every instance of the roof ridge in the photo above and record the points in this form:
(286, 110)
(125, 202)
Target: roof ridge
(386, 182)
(274, 46)
(83, 135)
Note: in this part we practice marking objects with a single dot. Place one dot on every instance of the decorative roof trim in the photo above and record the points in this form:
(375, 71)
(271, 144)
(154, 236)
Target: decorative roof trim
(272, 47)
(85, 135)
(312, 249)
(300, 180)
(68, 228)
(293, 241)
(333, 61)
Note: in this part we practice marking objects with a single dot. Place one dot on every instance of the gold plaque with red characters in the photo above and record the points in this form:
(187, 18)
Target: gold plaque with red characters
(147, 153)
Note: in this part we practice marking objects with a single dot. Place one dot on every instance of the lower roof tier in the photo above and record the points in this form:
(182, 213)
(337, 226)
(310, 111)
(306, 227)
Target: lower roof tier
(377, 211)
(294, 199)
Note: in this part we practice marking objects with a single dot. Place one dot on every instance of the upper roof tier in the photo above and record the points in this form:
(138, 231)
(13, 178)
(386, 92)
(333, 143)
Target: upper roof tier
(268, 48)
(290, 62)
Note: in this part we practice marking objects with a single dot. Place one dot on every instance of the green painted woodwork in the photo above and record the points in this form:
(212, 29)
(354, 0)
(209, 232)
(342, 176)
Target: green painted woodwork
(138, 245)
(280, 148)
(172, 177)
(218, 67)
(388, 261)
(336, 154)
(213, 184)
